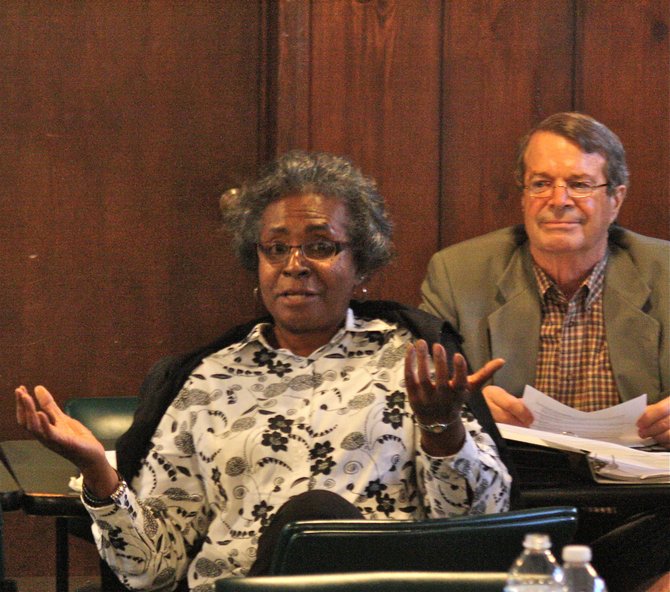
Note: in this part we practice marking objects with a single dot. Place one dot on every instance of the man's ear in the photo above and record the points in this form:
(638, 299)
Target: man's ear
(617, 200)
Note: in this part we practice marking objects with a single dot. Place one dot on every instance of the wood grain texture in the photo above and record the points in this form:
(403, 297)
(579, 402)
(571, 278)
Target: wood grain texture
(623, 75)
(122, 122)
(121, 125)
(507, 65)
(374, 84)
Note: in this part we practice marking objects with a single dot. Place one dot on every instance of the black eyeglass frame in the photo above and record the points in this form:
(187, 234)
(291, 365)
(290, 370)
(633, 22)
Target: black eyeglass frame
(265, 250)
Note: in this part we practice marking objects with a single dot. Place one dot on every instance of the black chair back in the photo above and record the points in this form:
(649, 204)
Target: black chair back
(488, 542)
(106, 417)
(369, 582)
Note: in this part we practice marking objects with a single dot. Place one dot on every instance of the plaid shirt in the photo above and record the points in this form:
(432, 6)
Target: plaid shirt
(573, 364)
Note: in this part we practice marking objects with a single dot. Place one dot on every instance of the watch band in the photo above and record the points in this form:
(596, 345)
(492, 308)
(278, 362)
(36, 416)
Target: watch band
(436, 427)
(95, 502)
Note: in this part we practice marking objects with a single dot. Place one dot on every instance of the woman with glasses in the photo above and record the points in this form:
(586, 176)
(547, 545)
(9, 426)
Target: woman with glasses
(327, 408)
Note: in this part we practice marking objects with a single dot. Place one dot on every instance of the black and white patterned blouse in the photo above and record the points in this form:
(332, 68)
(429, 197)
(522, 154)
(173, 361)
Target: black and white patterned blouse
(254, 426)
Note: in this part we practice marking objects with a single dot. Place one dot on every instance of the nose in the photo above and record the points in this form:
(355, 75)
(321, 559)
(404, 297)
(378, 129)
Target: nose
(559, 195)
(296, 264)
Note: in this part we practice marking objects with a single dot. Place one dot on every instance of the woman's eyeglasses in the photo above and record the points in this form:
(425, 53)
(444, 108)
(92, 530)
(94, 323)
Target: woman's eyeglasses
(318, 250)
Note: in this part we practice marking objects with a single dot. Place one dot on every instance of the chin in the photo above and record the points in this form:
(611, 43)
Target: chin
(558, 243)
(299, 324)
(561, 247)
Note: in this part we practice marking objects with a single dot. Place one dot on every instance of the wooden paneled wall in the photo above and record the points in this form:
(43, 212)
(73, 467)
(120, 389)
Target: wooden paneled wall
(122, 122)
(431, 97)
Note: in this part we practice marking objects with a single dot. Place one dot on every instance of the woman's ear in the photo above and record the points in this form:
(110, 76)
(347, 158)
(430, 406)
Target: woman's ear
(228, 198)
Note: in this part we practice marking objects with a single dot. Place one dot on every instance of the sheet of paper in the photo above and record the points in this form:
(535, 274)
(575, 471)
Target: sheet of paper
(614, 424)
(610, 461)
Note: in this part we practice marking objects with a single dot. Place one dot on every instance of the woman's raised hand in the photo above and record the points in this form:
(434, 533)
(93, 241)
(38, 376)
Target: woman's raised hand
(44, 419)
(440, 400)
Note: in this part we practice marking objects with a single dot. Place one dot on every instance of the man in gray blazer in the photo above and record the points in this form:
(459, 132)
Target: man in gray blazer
(576, 305)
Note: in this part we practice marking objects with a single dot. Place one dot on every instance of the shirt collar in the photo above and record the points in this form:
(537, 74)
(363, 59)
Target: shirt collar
(592, 286)
(352, 324)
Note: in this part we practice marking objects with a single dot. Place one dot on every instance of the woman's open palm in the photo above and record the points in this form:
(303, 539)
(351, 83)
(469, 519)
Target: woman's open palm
(44, 419)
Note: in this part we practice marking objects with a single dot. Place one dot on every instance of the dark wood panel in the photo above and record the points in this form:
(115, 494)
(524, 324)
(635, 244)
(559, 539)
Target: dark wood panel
(121, 125)
(292, 72)
(507, 65)
(374, 81)
(623, 79)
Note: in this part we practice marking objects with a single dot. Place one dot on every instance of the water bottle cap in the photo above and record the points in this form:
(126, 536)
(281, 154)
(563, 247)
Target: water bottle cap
(536, 540)
(577, 553)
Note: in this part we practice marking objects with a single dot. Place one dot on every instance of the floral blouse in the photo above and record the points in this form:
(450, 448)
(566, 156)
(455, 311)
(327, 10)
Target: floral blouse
(254, 426)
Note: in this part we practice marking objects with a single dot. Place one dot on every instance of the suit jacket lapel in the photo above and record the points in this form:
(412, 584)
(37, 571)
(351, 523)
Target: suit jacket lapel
(514, 328)
(632, 335)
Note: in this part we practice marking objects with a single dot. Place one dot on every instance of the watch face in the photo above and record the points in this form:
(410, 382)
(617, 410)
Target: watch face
(433, 428)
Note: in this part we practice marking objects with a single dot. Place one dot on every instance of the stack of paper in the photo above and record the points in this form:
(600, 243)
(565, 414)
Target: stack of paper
(606, 436)
(609, 462)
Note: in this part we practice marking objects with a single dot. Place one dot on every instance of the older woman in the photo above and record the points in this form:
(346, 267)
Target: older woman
(325, 396)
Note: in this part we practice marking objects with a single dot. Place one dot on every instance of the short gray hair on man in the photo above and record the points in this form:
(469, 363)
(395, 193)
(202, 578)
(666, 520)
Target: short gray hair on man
(590, 135)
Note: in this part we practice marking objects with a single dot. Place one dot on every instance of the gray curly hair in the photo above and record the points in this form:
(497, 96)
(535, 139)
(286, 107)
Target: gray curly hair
(298, 172)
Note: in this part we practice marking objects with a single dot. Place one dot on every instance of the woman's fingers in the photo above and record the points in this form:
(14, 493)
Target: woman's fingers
(423, 367)
(47, 404)
(459, 380)
(441, 366)
(19, 393)
(478, 378)
(410, 365)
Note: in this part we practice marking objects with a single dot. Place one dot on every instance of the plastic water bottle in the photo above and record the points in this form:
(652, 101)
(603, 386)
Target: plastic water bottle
(578, 573)
(536, 569)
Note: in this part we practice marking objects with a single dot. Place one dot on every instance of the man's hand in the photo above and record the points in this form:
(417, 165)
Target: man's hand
(655, 422)
(507, 408)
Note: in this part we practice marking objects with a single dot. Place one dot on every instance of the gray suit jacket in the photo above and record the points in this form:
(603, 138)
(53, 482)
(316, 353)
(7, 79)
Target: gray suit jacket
(486, 289)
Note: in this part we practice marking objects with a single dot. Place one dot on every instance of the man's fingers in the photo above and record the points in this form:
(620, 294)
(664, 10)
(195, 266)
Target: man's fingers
(653, 413)
(510, 419)
(518, 409)
(659, 431)
(655, 422)
(506, 408)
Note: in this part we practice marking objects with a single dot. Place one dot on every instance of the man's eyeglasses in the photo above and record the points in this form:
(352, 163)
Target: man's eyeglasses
(318, 250)
(575, 189)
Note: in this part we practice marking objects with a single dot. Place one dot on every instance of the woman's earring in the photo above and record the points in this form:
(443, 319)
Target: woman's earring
(259, 305)
(364, 294)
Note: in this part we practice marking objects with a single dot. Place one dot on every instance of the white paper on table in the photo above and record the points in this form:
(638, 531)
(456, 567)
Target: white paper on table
(76, 483)
(609, 462)
(615, 424)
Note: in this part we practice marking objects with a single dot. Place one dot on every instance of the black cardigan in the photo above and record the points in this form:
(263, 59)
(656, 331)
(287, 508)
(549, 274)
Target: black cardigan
(167, 377)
